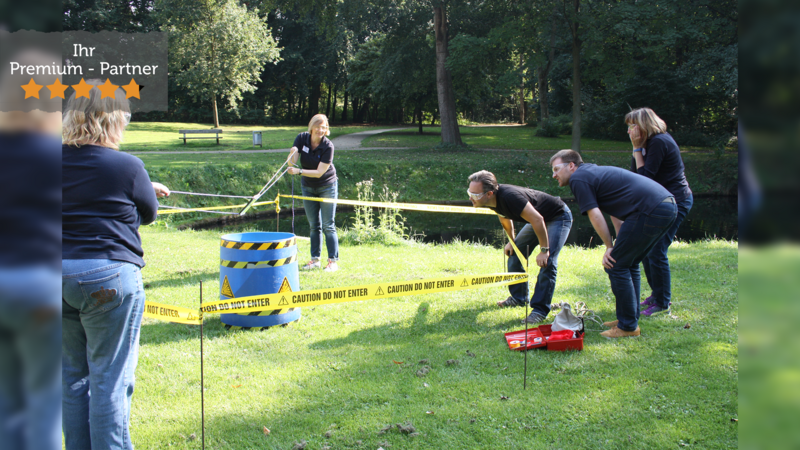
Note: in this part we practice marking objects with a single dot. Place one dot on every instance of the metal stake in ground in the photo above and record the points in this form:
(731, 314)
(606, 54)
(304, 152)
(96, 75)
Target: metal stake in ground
(527, 267)
(202, 384)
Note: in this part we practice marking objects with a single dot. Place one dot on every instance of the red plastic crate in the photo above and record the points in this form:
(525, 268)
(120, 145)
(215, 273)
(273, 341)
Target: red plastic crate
(538, 338)
(516, 339)
(562, 344)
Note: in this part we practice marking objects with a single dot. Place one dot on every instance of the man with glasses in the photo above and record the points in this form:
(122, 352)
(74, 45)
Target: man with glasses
(647, 209)
(547, 222)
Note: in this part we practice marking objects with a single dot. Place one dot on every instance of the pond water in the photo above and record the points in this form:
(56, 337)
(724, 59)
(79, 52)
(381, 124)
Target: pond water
(709, 217)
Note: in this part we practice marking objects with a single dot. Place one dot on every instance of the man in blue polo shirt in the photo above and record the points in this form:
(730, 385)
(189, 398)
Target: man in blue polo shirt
(646, 210)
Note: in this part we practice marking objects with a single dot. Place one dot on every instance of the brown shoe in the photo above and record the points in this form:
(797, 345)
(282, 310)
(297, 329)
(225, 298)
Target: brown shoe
(611, 324)
(617, 332)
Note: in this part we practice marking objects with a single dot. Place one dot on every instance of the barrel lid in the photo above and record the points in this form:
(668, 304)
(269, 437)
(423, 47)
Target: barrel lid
(257, 236)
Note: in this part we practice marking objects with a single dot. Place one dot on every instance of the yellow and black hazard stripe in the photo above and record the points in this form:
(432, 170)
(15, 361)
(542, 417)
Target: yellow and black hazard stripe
(257, 264)
(258, 245)
(261, 313)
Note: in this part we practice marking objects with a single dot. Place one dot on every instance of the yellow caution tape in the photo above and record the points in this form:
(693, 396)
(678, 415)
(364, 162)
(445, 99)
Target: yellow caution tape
(522, 259)
(364, 292)
(209, 208)
(404, 206)
(169, 313)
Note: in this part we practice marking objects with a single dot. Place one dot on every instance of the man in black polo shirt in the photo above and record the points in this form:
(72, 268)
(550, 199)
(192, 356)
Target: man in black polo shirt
(548, 223)
(647, 209)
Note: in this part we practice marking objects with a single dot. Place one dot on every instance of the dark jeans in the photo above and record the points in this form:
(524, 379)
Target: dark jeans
(557, 233)
(321, 219)
(635, 240)
(656, 264)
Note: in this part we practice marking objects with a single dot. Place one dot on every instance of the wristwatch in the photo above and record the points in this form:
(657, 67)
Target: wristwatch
(301, 171)
(544, 249)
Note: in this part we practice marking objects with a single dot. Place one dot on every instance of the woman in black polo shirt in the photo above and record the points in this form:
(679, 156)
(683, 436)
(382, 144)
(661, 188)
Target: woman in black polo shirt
(318, 174)
(657, 156)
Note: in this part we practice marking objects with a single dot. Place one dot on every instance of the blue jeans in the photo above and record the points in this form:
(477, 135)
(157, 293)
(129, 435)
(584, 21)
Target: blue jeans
(30, 358)
(656, 264)
(526, 240)
(103, 303)
(324, 213)
(635, 240)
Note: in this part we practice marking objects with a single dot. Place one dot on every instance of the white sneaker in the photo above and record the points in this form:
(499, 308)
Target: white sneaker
(331, 267)
(313, 264)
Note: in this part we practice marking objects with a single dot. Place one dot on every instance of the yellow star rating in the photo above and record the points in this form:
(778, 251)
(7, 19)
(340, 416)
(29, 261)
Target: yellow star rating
(131, 89)
(82, 89)
(107, 89)
(57, 89)
(32, 89)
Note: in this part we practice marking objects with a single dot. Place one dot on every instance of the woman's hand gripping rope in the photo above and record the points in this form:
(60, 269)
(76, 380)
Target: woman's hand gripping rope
(275, 178)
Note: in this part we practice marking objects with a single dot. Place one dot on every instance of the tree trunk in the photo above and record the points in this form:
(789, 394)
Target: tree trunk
(301, 106)
(313, 100)
(522, 89)
(444, 83)
(216, 116)
(289, 105)
(419, 114)
(363, 111)
(542, 88)
(576, 81)
(333, 118)
(544, 71)
(344, 108)
(328, 106)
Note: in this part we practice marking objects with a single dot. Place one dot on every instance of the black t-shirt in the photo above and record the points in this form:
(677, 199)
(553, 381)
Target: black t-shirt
(616, 191)
(511, 200)
(663, 163)
(106, 195)
(310, 159)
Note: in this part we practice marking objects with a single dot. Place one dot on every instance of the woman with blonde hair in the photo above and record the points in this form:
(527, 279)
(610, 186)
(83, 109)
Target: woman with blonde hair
(315, 152)
(106, 196)
(657, 156)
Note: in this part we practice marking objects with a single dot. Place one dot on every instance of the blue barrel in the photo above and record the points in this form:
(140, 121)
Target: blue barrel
(258, 263)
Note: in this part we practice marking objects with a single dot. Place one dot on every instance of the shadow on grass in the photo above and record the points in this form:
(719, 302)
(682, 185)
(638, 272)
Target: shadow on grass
(177, 279)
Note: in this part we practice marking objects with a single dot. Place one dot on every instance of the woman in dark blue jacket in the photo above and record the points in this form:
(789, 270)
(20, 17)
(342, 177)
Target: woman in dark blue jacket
(106, 195)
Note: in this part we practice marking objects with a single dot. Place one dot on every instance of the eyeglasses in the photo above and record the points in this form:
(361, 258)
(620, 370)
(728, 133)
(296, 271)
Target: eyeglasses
(558, 167)
(631, 126)
(474, 195)
(127, 116)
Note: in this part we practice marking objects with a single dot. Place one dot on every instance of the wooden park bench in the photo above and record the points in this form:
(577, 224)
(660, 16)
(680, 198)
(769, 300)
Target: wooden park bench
(214, 131)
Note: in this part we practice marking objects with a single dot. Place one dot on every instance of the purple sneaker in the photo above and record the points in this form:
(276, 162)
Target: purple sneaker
(653, 310)
(648, 302)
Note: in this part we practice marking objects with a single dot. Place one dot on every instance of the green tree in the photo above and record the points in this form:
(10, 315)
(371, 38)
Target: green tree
(126, 16)
(217, 48)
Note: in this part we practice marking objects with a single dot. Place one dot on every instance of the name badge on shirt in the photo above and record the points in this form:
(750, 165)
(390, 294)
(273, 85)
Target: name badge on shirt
(305, 149)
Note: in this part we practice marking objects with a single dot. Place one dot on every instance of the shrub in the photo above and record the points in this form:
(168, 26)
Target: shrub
(555, 126)
(391, 229)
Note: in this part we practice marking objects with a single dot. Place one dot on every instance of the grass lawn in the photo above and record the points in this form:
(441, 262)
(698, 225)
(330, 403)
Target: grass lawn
(161, 136)
(498, 137)
(334, 373)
